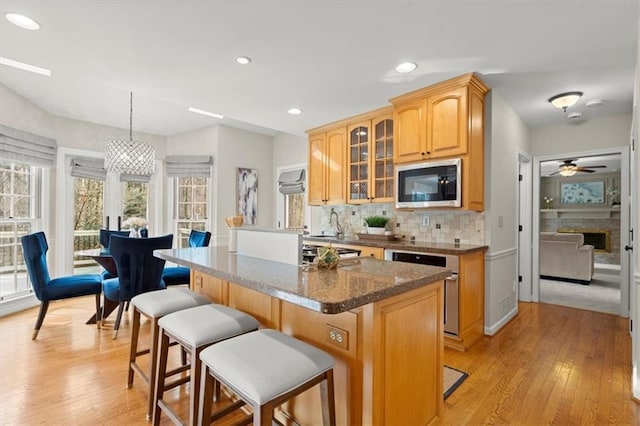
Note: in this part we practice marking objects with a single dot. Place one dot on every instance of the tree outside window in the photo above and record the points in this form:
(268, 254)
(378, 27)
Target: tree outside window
(191, 206)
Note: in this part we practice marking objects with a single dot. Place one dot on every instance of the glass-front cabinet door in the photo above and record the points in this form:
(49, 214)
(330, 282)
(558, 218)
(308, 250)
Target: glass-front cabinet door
(370, 159)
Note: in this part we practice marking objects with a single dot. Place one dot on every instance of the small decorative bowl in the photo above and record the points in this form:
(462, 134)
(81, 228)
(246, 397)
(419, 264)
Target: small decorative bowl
(328, 258)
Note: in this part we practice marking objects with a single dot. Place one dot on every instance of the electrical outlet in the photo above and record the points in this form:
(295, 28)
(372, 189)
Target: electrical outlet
(425, 220)
(337, 337)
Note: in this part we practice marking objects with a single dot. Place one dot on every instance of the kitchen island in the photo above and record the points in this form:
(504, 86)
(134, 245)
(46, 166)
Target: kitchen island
(382, 322)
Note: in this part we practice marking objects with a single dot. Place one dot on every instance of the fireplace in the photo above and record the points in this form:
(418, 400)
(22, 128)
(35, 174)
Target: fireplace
(598, 238)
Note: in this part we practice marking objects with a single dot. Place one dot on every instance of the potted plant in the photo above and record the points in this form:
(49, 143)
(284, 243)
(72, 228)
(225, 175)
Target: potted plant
(376, 224)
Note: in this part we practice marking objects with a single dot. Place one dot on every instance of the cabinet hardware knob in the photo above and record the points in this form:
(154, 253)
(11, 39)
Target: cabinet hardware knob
(422, 153)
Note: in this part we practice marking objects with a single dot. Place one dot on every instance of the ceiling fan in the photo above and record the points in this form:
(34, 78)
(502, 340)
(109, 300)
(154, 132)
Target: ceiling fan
(569, 168)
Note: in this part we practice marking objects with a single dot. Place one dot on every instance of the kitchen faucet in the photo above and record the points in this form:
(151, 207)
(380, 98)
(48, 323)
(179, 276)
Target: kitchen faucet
(338, 227)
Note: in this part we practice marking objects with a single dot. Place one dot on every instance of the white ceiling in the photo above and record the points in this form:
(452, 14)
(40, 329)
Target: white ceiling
(612, 163)
(331, 58)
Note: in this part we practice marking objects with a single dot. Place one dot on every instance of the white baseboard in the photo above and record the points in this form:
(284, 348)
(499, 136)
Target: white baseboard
(490, 331)
(605, 268)
(18, 304)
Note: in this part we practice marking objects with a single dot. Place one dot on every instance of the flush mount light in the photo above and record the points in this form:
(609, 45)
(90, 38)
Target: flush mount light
(594, 103)
(565, 100)
(243, 60)
(203, 112)
(22, 21)
(25, 67)
(574, 115)
(295, 111)
(406, 67)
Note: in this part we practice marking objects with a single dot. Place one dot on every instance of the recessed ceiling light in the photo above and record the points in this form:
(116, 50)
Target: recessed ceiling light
(25, 67)
(406, 67)
(594, 103)
(22, 21)
(243, 60)
(295, 111)
(203, 112)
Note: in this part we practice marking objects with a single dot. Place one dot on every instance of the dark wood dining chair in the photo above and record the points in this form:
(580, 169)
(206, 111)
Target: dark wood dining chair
(139, 271)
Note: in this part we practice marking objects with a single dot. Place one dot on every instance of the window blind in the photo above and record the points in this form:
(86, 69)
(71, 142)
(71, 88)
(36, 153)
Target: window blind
(91, 168)
(26, 147)
(134, 178)
(188, 165)
(291, 181)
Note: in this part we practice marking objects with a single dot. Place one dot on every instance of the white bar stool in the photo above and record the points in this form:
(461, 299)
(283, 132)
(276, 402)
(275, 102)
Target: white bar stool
(194, 330)
(155, 305)
(265, 369)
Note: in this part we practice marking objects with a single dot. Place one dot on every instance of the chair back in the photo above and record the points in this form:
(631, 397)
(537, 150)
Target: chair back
(105, 234)
(199, 238)
(139, 271)
(34, 250)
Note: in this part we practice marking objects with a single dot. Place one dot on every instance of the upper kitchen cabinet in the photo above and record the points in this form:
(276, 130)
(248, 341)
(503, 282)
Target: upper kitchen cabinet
(327, 151)
(370, 158)
(435, 122)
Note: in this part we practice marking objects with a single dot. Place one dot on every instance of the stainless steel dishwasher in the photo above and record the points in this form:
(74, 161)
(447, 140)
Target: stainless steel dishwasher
(450, 283)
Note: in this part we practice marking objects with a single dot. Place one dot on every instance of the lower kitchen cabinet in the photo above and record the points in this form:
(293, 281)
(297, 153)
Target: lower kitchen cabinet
(470, 302)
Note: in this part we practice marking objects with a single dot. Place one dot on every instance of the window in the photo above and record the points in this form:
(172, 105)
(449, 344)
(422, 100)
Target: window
(191, 203)
(291, 198)
(134, 199)
(294, 211)
(19, 206)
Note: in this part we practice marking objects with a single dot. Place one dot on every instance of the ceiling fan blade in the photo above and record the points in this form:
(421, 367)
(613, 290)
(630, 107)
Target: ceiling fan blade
(595, 167)
(554, 173)
(583, 170)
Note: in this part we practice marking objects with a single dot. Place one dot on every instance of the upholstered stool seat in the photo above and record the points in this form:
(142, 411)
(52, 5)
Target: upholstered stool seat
(194, 329)
(155, 305)
(266, 368)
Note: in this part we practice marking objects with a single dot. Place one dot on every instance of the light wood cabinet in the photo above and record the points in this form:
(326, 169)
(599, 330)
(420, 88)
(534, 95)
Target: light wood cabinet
(327, 179)
(370, 159)
(470, 302)
(445, 120)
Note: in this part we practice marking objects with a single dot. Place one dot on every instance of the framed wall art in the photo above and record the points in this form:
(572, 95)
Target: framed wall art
(576, 193)
(247, 195)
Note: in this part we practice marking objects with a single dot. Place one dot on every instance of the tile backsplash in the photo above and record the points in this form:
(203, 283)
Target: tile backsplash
(440, 226)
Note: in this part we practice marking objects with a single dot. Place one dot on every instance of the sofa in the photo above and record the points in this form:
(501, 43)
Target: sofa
(564, 256)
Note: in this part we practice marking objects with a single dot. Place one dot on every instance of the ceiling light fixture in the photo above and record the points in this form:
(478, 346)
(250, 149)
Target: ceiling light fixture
(295, 111)
(566, 172)
(594, 103)
(243, 60)
(203, 112)
(22, 21)
(130, 157)
(25, 67)
(574, 115)
(406, 67)
(565, 100)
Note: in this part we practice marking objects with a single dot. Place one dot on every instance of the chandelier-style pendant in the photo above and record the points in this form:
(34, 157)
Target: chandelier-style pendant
(128, 156)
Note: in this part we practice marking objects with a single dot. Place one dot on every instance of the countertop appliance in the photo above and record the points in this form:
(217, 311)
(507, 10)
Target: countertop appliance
(450, 283)
(429, 184)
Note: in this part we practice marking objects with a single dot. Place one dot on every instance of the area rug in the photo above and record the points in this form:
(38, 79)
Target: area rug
(452, 379)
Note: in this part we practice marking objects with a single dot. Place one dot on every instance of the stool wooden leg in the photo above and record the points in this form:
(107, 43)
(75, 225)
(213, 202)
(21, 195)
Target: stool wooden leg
(196, 377)
(206, 396)
(158, 392)
(263, 415)
(153, 361)
(328, 401)
(135, 333)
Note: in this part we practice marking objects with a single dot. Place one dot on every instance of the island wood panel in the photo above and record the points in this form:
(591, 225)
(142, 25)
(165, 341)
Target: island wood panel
(314, 328)
(264, 308)
(403, 358)
(214, 289)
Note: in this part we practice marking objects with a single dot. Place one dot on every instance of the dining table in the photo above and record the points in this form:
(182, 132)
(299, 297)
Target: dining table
(105, 259)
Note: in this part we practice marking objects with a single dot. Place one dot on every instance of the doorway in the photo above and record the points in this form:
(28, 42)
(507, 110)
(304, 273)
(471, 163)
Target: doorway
(581, 194)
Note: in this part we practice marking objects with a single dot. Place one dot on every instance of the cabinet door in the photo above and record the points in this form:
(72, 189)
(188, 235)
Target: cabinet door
(410, 120)
(317, 168)
(358, 163)
(382, 179)
(447, 126)
(336, 177)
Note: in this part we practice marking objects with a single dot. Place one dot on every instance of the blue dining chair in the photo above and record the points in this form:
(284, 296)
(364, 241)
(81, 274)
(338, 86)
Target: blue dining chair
(139, 271)
(34, 250)
(176, 275)
(105, 234)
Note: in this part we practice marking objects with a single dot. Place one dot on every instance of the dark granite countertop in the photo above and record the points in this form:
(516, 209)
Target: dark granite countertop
(402, 244)
(356, 282)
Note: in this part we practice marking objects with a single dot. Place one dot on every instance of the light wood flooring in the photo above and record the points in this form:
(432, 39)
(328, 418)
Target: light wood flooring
(550, 365)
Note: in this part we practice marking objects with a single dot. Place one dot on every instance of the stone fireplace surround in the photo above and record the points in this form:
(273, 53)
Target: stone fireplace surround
(611, 225)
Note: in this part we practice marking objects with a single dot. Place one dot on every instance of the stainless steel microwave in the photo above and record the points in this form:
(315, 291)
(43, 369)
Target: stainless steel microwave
(429, 184)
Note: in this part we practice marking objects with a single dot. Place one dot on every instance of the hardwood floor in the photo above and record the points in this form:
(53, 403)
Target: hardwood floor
(550, 365)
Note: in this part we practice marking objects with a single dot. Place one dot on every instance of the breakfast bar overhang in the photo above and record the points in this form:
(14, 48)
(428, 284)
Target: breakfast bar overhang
(381, 321)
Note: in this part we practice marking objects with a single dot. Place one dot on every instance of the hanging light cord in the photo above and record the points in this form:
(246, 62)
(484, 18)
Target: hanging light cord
(131, 117)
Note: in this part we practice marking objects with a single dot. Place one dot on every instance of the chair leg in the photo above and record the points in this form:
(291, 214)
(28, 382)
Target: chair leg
(133, 351)
(118, 318)
(161, 372)
(328, 401)
(206, 397)
(98, 311)
(43, 311)
(153, 361)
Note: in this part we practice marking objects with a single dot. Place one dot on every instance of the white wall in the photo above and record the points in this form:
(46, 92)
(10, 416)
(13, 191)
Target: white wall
(505, 136)
(597, 133)
(635, 224)
(289, 149)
